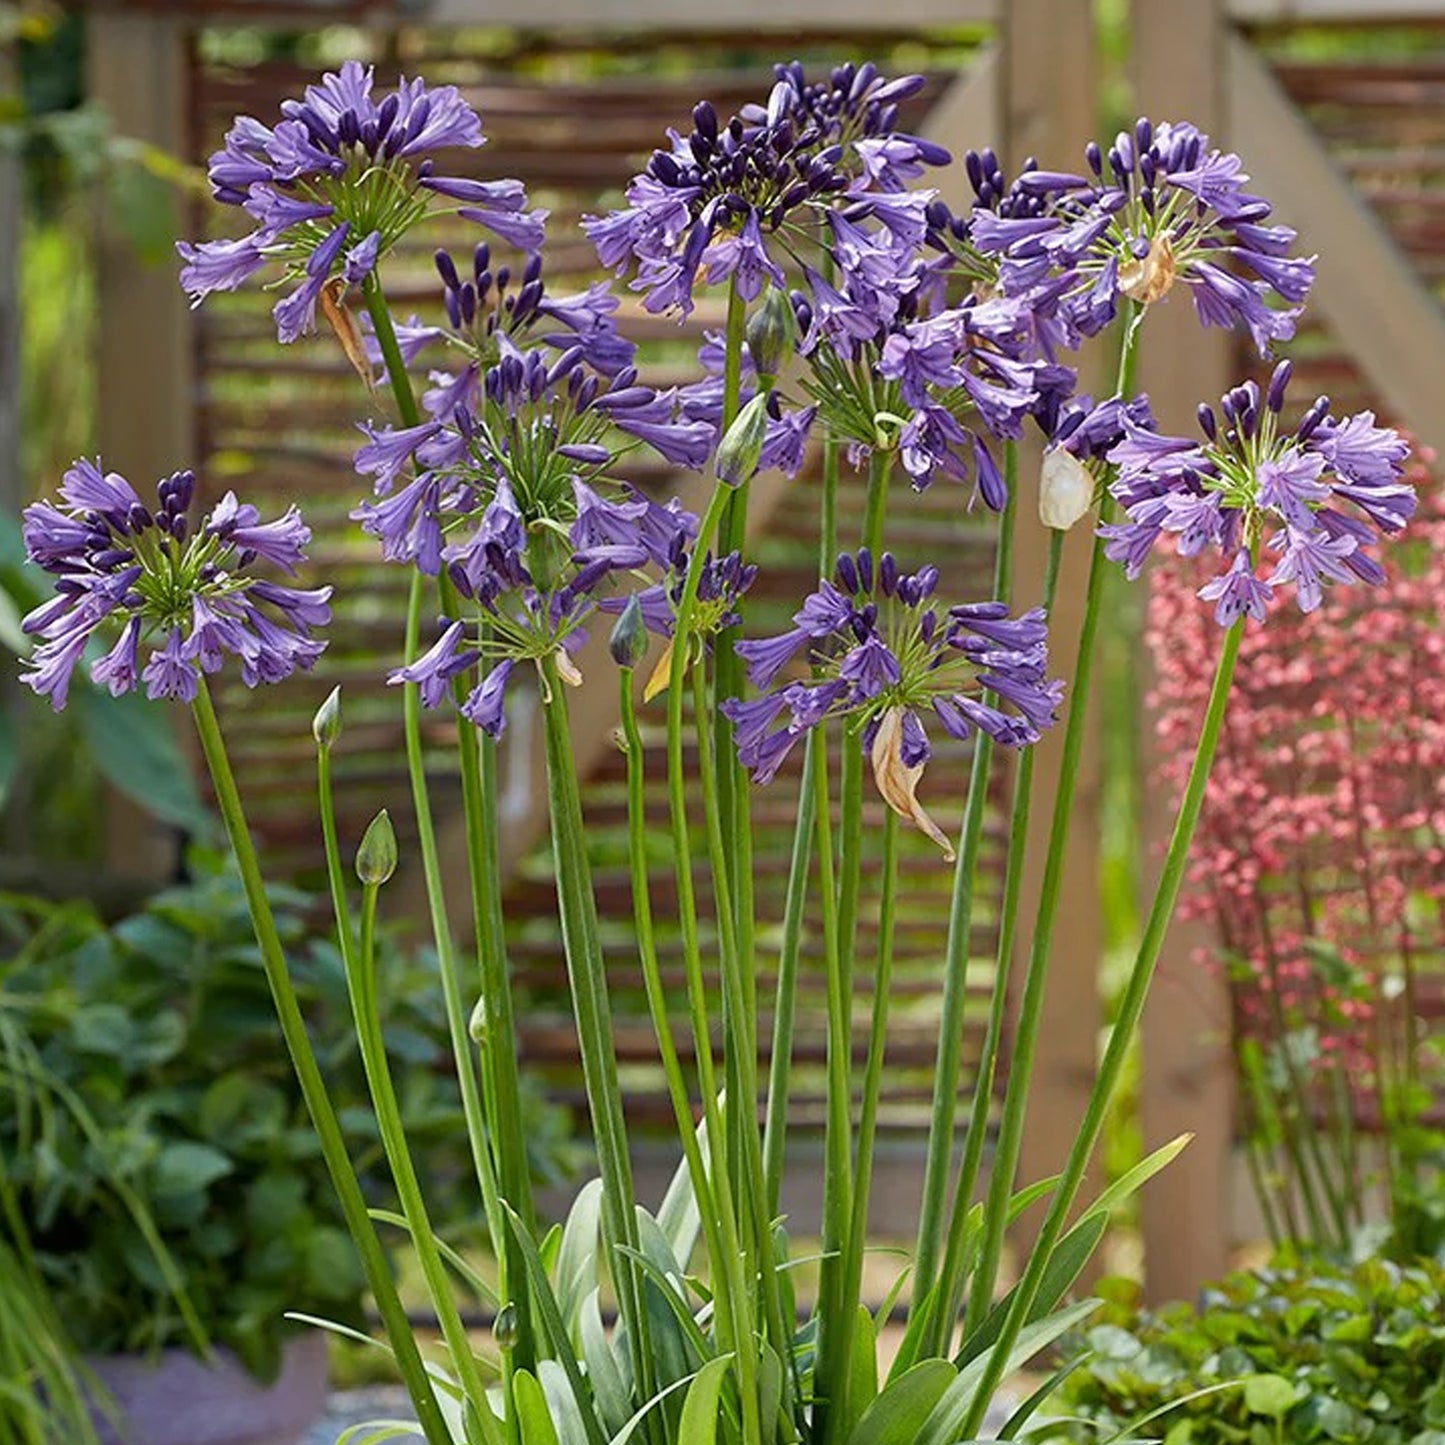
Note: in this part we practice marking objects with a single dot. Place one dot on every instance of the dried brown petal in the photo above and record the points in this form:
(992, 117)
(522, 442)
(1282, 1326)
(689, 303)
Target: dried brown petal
(898, 783)
(348, 333)
(1148, 280)
(567, 670)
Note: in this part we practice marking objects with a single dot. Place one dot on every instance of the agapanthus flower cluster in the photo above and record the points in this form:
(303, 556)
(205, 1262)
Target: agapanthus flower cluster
(1317, 496)
(188, 597)
(1319, 863)
(723, 200)
(536, 586)
(337, 182)
(546, 396)
(1161, 207)
(883, 654)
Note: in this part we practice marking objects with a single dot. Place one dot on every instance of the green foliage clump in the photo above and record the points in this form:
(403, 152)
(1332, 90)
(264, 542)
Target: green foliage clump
(1318, 1353)
(143, 1081)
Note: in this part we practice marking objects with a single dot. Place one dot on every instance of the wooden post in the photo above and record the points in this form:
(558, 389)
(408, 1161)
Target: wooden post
(1049, 113)
(1186, 1086)
(137, 71)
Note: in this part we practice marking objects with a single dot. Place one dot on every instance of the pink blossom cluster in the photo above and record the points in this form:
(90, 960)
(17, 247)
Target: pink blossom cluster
(1320, 855)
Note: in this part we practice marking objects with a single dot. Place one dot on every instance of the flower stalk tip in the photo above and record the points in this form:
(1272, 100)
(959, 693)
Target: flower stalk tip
(376, 857)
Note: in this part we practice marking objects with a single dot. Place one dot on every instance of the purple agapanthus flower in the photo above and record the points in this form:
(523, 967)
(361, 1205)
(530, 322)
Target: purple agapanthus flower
(716, 201)
(337, 182)
(1318, 496)
(142, 574)
(1159, 208)
(882, 652)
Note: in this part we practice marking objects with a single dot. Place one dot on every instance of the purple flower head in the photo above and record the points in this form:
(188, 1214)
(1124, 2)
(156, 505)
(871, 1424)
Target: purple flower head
(144, 576)
(1319, 495)
(713, 199)
(337, 182)
(885, 655)
(1159, 208)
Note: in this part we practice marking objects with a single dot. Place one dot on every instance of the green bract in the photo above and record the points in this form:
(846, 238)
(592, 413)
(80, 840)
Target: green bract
(1321, 1353)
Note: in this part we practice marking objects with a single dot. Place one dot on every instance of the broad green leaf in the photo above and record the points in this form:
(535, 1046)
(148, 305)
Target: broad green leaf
(1130, 1431)
(135, 747)
(377, 1432)
(631, 1427)
(533, 1416)
(185, 1167)
(946, 1422)
(565, 1410)
(1270, 1395)
(1065, 1264)
(1133, 1180)
(896, 1416)
(576, 1271)
(1025, 1412)
(677, 1215)
(603, 1373)
(702, 1405)
(862, 1372)
(552, 1323)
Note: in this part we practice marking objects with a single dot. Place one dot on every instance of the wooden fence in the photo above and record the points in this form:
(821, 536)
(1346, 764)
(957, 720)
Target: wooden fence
(1321, 137)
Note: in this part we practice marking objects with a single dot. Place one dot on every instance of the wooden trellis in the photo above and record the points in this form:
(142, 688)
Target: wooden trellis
(1346, 150)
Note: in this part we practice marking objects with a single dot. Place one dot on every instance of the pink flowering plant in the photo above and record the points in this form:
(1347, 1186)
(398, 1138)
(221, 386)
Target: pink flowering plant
(905, 338)
(1320, 864)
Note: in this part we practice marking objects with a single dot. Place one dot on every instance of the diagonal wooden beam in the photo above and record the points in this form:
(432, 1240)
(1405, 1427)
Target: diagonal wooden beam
(1366, 287)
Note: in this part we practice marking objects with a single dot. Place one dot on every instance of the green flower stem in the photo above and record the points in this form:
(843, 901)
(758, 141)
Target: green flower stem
(587, 975)
(457, 1029)
(1026, 1034)
(775, 1127)
(852, 1269)
(833, 1328)
(1131, 1008)
(477, 756)
(837, 1143)
(939, 1158)
(758, 1262)
(718, 1231)
(361, 984)
(953, 1272)
(734, 795)
(313, 1088)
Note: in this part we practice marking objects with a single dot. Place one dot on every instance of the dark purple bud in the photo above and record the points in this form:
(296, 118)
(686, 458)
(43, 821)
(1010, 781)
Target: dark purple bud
(887, 574)
(1143, 134)
(467, 303)
(865, 569)
(1318, 411)
(1207, 423)
(704, 117)
(1278, 384)
(138, 518)
(1117, 166)
(348, 132)
(847, 574)
(453, 309)
(1095, 158)
(447, 270)
(1147, 168)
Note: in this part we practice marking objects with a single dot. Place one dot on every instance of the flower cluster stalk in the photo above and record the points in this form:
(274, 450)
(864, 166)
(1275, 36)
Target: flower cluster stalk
(313, 1087)
(1131, 1008)
(512, 1277)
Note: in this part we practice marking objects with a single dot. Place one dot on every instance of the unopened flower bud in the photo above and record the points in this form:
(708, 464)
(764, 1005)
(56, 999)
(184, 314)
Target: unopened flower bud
(771, 334)
(1066, 489)
(478, 1026)
(376, 857)
(628, 643)
(504, 1327)
(742, 444)
(326, 725)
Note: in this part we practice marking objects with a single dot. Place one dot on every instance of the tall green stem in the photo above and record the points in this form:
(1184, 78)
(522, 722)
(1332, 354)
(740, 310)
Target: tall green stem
(948, 1068)
(1131, 1007)
(313, 1088)
(1026, 1034)
(852, 1271)
(587, 975)
(1020, 813)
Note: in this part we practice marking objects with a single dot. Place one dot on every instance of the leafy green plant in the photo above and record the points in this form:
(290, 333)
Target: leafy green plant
(1320, 1353)
(160, 1030)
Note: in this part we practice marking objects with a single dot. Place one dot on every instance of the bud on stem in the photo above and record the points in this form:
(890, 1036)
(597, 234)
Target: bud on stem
(376, 857)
